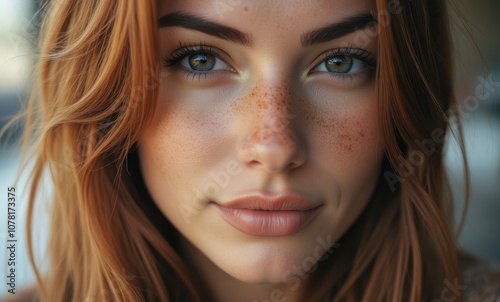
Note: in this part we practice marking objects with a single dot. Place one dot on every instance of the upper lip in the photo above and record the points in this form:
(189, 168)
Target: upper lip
(276, 202)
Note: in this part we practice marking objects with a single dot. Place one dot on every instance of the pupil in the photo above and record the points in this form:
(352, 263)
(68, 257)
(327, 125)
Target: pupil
(201, 62)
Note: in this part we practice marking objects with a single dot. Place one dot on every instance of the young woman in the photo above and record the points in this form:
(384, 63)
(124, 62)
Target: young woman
(246, 151)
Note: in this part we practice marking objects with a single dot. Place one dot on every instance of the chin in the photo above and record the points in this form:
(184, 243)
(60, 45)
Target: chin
(274, 275)
(271, 264)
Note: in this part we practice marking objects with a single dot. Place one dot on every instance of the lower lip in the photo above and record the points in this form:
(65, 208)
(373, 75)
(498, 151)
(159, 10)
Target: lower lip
(267, 223)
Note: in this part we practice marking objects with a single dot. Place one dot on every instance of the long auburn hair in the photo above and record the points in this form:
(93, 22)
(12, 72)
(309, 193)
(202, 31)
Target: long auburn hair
(95, 92)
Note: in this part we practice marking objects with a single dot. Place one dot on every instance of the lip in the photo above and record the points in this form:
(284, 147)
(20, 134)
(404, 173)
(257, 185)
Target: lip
(268, 215)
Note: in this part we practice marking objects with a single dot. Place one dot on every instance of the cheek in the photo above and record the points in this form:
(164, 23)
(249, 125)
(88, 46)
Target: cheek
(178, 147)
(162, 142)
(347, 143)
(353, 136)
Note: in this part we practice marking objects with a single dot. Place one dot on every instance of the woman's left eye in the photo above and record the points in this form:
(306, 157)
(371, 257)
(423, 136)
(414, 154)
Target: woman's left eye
(341, 64)
(200, 62)
(346, 62)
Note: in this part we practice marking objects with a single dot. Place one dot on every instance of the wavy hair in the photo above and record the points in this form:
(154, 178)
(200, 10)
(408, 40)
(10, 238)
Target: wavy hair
(97, 75)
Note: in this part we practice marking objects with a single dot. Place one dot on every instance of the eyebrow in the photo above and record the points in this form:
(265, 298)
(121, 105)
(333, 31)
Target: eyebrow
(323, 34)
(189, 21)
(337, 30)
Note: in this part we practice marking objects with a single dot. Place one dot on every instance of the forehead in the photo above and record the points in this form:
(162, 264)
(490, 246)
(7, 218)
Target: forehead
(260, 15)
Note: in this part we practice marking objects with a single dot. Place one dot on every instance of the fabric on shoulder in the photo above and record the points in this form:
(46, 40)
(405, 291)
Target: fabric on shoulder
(480, 278)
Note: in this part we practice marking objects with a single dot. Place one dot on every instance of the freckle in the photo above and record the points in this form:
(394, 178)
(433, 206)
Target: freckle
(245, 8)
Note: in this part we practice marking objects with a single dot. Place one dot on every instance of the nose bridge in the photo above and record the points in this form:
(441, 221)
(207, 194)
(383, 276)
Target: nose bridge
(274, 114)
(272, 142)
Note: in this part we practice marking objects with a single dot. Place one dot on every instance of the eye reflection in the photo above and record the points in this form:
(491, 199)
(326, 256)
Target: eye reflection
(339, 64)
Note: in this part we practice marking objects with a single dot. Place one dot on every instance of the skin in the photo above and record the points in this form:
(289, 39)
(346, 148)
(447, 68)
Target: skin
(268, 123)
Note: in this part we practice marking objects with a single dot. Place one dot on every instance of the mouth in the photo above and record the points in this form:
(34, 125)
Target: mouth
(264, 215)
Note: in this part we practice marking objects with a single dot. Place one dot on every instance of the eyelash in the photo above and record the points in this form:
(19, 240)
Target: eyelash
(173, 60)
(356, 53)
(187, 49)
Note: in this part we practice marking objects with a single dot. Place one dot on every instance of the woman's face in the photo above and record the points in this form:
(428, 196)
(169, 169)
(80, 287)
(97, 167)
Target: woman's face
(265, 145)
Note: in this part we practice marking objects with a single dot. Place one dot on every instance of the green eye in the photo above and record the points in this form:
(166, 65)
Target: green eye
(346, 62)
(339, 64)
(201, 62)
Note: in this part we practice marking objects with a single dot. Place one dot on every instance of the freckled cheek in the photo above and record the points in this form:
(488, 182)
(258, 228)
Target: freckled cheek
(183, 143)
(350, 139)
(357, 137)
(349, 150)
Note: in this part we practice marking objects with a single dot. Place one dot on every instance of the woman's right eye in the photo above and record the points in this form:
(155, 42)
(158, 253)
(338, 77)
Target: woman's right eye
(198, 61)
(203, 62)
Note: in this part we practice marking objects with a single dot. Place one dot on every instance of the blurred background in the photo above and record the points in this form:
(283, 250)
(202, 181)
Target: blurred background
(477, 78)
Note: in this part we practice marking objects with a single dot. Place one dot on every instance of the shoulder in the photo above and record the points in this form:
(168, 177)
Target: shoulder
(480, 278)
(26, 294)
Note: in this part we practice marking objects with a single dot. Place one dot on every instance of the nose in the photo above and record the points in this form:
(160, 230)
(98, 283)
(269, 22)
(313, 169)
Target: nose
(272, 143)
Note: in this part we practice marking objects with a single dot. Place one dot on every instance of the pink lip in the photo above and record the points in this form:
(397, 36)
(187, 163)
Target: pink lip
(265, 215)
